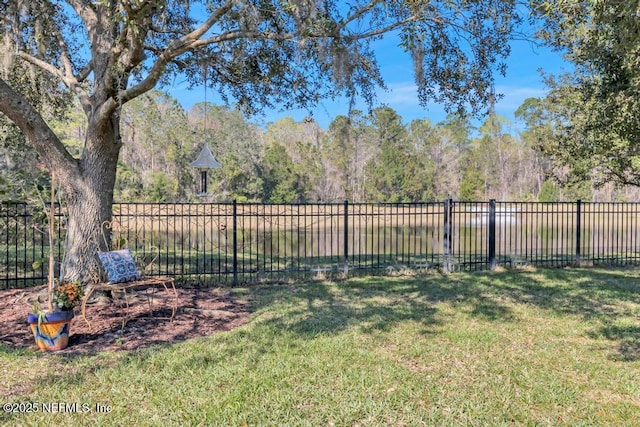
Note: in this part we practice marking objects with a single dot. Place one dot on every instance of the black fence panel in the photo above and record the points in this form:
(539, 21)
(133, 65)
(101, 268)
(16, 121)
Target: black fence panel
(190, 241)
(393, 237)
(232, 243)
(24, 243)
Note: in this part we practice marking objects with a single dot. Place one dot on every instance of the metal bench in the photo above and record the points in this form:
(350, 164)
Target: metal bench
(151, 282)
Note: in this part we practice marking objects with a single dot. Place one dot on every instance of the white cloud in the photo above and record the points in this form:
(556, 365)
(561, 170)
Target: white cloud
(400, 94)
(514, 96)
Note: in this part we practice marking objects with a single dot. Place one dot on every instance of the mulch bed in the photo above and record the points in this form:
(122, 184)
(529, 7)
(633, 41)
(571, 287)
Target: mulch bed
(201, 312)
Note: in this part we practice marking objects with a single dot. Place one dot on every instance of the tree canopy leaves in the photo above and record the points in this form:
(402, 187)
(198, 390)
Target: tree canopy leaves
(595, 110)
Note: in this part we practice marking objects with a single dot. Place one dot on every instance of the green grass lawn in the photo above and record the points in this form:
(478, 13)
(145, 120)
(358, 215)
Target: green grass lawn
(538, 347)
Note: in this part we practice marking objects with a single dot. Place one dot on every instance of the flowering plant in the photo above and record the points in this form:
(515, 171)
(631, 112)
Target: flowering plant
(68, 295)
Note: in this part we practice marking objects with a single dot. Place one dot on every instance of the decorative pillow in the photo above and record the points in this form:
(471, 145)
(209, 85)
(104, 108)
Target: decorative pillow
(119, 266)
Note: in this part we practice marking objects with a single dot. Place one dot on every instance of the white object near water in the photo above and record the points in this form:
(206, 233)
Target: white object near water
(481, 217)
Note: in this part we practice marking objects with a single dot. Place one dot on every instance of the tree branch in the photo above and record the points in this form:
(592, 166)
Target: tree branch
(84, 73)
(85, 12)
(383, 30)
(357, 15)
(174, 49)
(70, 81)
(44, 65)
(233, 35)
(39, 134)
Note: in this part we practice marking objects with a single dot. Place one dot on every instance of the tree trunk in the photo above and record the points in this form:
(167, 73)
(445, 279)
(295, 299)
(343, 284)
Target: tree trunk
(89, 199)
(87, 183)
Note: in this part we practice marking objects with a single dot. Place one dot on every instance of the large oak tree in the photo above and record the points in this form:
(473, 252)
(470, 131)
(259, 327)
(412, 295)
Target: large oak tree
(256, 53)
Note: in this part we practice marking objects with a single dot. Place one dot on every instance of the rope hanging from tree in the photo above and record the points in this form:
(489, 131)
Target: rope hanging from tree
(205, 159)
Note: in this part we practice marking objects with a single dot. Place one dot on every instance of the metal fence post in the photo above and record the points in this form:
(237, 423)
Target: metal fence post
(447, 243)
(492, 234)
(235, 242)
(346, 238)
(578, 227)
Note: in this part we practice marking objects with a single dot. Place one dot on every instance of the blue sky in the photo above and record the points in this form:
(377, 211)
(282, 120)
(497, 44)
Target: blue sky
(523, 80)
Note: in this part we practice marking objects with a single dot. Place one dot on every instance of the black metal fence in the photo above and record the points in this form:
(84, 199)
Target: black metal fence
(239, 243)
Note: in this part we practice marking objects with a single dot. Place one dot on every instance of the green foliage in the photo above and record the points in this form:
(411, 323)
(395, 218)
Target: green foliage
(240, 185)
(236, 143)
(577, 191)
(364, 157)
(24, 175)
(160, 188)
(359, 158)
(36, 308)
(128, 186)
(549, 192)
(284, 181)
(349, 145)
(22, 172)
(471, 186)
(595, 110)
(396, 173)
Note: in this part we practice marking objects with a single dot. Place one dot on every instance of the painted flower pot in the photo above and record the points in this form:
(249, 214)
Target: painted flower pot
(52, 333)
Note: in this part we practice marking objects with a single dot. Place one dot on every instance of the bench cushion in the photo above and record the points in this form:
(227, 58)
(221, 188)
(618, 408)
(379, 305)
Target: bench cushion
(119, 266)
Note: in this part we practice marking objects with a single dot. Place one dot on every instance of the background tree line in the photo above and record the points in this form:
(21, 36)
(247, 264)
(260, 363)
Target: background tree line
(580, 142)
(367, 157)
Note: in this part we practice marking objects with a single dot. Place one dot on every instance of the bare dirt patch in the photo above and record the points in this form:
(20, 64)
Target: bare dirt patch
(201, 312)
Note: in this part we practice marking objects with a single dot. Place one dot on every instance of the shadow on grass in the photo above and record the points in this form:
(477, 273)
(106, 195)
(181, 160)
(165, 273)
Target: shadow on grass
(585, 292)
(627, 339)
(602, 296)
(374, 304)
(378, 303)
(367, 305)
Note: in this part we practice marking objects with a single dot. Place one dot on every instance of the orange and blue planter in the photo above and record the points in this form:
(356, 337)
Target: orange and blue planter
(52, 333)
